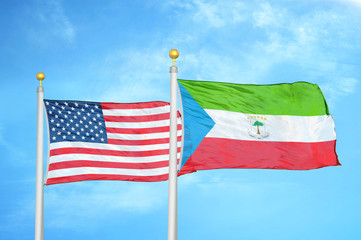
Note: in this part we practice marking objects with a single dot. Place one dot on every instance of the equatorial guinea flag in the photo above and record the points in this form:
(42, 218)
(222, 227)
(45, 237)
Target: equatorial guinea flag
(108, 141)
(281, 126)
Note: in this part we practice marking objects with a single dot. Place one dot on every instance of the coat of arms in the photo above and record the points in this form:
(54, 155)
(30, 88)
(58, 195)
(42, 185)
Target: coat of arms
(258, 127)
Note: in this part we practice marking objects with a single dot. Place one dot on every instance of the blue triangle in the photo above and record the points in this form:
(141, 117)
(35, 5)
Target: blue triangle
(197, 124)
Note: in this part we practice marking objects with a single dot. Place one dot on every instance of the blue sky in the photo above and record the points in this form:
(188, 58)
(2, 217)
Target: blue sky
(118, 51)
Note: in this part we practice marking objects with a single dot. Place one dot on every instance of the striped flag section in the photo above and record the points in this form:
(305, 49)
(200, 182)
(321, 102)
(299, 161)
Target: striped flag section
(281, 126)
(108, 141)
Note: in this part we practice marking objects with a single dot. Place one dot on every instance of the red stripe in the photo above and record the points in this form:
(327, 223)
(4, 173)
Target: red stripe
(134, 105)
(141, 130)
(86, 177)
(141, 142)
(145, 118)
(105, 152)
(215, 153)
(101, 164)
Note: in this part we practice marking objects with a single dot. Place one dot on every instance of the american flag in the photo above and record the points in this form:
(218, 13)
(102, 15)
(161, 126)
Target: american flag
(108, 141)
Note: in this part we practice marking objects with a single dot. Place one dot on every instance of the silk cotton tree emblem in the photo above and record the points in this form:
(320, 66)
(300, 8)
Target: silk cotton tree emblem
(258, 127)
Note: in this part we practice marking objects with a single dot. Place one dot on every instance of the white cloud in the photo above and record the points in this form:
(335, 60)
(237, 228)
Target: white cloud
(13, 152)
(53, 22)
(213, 13)
(52, 14)
(348, 85)
(219, 13)
(338, 87)
(134, 75)
(75, 205)
(20, 216)
(213, 183)
(269, 16)
(353, 2)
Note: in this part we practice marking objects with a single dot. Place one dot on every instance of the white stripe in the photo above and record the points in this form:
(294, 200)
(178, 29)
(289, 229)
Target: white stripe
(136, 112)
(113, 171)
(132, 148)
(281, 128)
(141, 136)
(104, 158)
(161, 123)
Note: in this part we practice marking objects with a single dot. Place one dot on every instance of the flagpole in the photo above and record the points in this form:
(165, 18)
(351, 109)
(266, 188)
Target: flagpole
(172, 189)
(39, 192)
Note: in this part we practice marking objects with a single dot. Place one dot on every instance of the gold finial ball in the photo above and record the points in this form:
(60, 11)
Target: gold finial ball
(173, 53)
(40, 76)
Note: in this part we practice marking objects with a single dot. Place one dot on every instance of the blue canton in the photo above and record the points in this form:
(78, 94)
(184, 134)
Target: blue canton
(75, 121)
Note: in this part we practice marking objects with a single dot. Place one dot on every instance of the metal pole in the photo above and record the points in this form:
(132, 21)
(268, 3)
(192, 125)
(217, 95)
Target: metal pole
(39, 197)
(172, 189)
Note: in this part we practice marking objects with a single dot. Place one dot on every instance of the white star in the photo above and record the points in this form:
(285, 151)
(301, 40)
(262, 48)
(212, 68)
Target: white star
(58, 124)
(86, 105)
(69, 112)
(91, 130)
(72, 129)
(56, 116)
(96, 106)
(50, 112)
(56, 103)
(64, 137)
(97, 135)
(72, 108)
(47, 103)
(82, 129)
(92, 110)
(88, 114)
(84, 118)
(73, 136)
(61, 120)
(100, 123)
(83, 137)
(63, 129)
(101, 131)
(76, 104)
(90, 123)
(96, 127)
(71, 120)
(82, 109)
(78, 113)
(78, 133)
(65, 103)
(87, 134)
(94, 119)
(76, 125)
(75, 117)
(53, 107)
(62, 107)
(81, 121)
(86, 126)
(52, 120)
(102, 139)
(54, 138)
(92, 139)
(53, 129)
(98, 115)
(67, 124)
(59, 133)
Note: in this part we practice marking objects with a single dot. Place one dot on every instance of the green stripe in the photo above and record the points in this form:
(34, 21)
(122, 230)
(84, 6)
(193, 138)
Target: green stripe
(298, 99)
